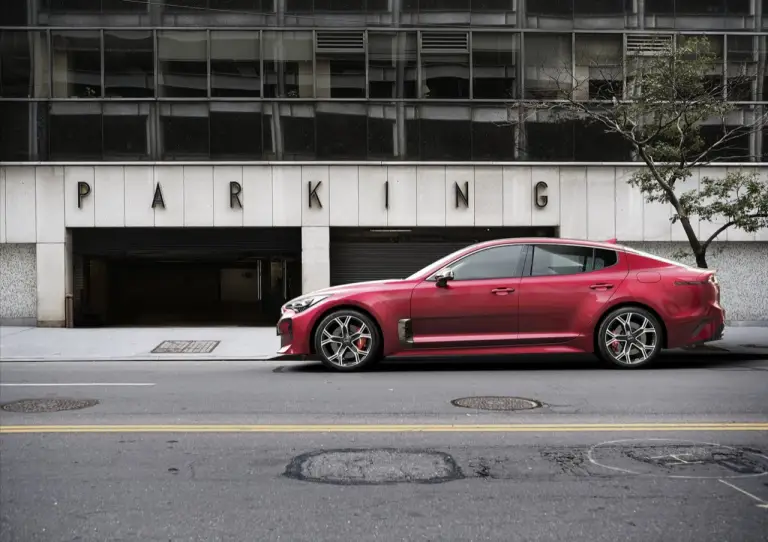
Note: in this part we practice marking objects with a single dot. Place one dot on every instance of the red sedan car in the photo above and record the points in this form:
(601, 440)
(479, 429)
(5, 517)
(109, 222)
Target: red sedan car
(512, 296)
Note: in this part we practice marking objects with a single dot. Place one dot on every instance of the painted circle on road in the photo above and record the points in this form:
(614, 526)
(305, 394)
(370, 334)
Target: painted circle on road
(675, 458)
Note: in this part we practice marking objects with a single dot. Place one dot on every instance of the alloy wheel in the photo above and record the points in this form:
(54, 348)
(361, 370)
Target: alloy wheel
(346, 341)
(631, 338)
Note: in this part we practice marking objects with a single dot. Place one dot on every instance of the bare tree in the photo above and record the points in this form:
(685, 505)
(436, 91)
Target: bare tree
(672, 91)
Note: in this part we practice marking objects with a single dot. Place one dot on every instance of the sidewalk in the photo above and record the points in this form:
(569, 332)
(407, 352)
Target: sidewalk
(235, 343)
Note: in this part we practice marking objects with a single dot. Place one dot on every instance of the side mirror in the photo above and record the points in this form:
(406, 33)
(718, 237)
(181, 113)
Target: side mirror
(443, 277)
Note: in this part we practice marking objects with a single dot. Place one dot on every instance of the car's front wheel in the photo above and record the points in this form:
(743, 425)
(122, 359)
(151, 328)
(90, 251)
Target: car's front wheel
(347, 340)
(630, 337)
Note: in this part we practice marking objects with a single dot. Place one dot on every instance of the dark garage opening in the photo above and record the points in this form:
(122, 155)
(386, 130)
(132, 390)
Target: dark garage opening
(361, 254)
(184, 277)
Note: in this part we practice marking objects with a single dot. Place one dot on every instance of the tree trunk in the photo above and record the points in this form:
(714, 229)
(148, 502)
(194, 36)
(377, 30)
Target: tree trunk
(701, 259)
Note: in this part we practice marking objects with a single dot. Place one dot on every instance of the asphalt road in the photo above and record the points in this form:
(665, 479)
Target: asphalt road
(252, 451)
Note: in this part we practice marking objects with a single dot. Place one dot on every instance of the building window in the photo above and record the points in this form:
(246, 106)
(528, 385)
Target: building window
(340, 64)
(93, 6)
(298, 6)
(236, 131)
(14, 131)
(548, 65)
(296, 123)
(392, 65)
(586, 8)
(445, 132)
(129, 64)
(382, 131)
(126, 131)
(185, 131)
(493, 134)
(547, 140)
(75, 131)
(341, 131)
(23, 64)
(742, 67)
(235, 65)
(592, 142)
(14, 13)
(492, 5)
(288, 58)
(494, 62)
(445, 65)
(598, 72)
(183, 64)
(76, 61)
(561, 8)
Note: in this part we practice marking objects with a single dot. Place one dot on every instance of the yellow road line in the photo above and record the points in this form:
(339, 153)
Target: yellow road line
(388, 428)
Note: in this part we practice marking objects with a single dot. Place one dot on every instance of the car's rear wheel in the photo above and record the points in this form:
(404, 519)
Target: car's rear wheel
(347, 340)
(630, 337)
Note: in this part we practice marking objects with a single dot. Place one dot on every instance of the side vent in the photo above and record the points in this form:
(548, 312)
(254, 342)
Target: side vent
(340, 42)
(648, 44)
(444, 42)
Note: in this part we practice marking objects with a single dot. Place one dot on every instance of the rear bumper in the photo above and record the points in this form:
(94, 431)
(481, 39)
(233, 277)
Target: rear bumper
(707, 329)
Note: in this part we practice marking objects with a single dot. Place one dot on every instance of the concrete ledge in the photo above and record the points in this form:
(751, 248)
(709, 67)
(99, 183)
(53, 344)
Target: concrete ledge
(747, 323)
(18, 322)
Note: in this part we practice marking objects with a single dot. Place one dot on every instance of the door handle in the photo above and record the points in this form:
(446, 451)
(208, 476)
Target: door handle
(502, 291)
(602, 286)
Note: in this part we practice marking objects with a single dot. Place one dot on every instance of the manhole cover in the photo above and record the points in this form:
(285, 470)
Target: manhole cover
(185, 347)
(496, 403)
(674, 458)
(376, 466)
(48, 405)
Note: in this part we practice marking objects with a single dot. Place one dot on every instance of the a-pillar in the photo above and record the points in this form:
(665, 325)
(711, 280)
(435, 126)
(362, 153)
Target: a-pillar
(315, 258)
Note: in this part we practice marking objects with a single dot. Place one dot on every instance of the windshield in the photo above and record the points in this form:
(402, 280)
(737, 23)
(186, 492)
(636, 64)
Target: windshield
(436, 266)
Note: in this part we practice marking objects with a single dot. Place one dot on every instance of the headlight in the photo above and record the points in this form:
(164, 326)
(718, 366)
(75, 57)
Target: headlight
(300, 304)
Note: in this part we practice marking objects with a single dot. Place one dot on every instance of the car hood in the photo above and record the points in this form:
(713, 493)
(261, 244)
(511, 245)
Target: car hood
(371, 285)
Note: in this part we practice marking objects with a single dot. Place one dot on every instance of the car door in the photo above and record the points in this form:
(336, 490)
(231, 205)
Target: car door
(477, 308)
(564, 288)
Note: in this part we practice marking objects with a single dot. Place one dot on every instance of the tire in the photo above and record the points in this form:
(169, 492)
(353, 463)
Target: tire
(360, 346)
(631, 350)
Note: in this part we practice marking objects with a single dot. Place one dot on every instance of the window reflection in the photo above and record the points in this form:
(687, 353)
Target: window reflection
(76, 61)
(185, 131)
(340, 64)
(235, 65)
(236, 131)
(382, 131)
(75, 131)
(341, 131)
(445, 65)
(288, 65)
(547, 65)
(742, 67)
(598, 71)
(126, 131)
(445, 132)
(14, 131)
(292, 131)
(23, 64)
(129, 64)
(494, 61)
(392, 65)
(494, 134)
(183, 64)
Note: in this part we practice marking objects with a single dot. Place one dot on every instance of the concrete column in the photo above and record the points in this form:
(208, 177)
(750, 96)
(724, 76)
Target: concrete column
(51, 284)
(315, 258)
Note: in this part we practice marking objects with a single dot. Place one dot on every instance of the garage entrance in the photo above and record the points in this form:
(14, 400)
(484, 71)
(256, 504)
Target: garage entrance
(180, 277)
(361, 254)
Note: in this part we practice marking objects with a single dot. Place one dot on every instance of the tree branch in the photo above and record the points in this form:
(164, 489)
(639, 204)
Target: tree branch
(724, 227)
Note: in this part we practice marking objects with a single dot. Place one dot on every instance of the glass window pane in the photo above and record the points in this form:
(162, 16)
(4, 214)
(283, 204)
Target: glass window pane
(762, 75)
(494, 134)
(236, 131)
(443, 5)
(742, 67)
(183, 64)
(185, 131)
(445, 65)
(583, 8)
(492, 263)
(598, 72)
(288, 65)
(14, 131)
(546, 138)
(235, 66)
(547, 65)
(549, 7)
(296, 123)
(75, 131)
(14, 13)
(76, 60)
(121, 6)
(382, 131)
(340, 65)
(494, 59)
(560, 260)
(23, 64)
(299, 6)
(604, 258)
(700, 7)
(338, 5)
(126, 131)
(445, 132)
(593, 143)
(492, 5)
(392, 67)
(129, 64)
(341, 131)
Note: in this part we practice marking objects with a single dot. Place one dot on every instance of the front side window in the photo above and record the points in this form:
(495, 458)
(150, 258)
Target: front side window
(549, 260)
(492, 263)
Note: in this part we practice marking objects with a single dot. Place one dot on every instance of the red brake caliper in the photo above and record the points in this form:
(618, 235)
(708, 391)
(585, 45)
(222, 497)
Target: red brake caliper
(615, 344)
(360, 343)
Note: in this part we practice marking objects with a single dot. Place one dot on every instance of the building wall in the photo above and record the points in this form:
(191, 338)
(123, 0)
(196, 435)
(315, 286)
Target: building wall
(18, 283)
(592, 202)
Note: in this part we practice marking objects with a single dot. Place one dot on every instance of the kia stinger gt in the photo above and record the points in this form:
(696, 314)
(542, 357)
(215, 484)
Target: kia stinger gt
(512, 296)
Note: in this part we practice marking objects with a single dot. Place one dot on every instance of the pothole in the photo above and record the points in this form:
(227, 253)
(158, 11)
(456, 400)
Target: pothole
(374, 466)
(33, 406)
(674, 458)
(491, 402)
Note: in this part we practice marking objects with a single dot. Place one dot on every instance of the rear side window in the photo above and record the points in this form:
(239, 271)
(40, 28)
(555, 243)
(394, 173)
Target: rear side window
(549, 260)
(491, 263)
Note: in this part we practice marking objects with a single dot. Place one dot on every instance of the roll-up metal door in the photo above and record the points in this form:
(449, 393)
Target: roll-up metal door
(361, 261)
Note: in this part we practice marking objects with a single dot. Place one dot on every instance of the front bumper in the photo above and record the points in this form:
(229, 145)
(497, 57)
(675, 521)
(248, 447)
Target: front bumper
(294, 330)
